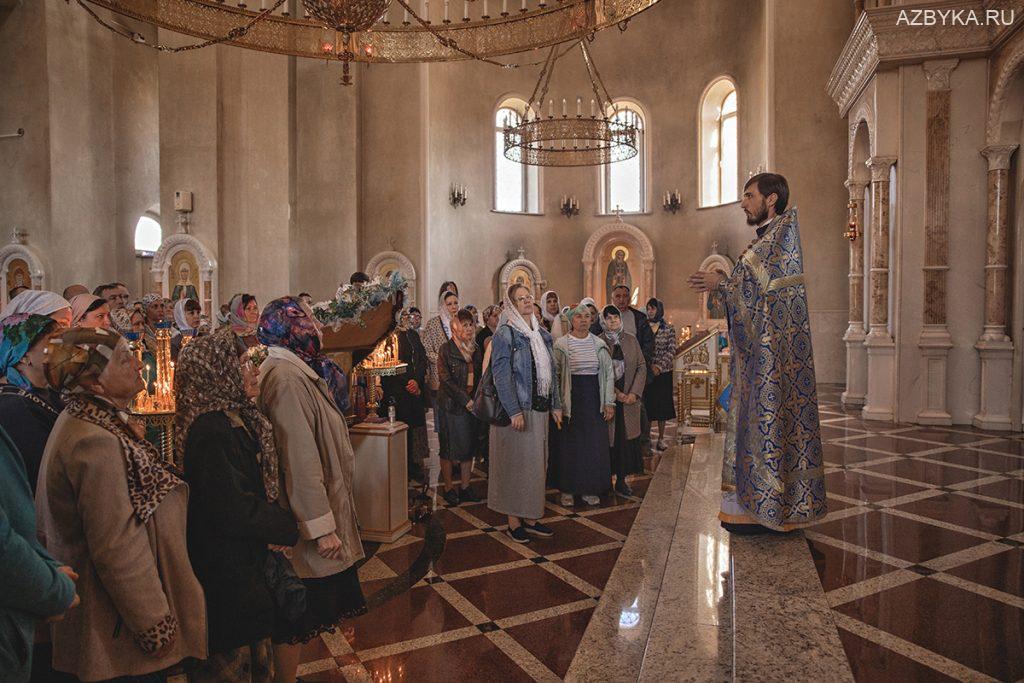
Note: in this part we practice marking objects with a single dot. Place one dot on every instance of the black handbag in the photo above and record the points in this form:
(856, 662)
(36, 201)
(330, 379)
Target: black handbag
(285, 585)
(486, 405)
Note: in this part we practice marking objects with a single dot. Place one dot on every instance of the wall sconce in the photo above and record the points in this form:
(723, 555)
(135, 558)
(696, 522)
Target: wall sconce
(672, 201)
(570, 207)
(457, 195)
(852, 231)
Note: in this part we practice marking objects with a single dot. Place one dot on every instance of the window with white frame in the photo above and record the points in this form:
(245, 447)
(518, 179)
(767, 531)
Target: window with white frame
(719, 149)
(516, 186)
(147, 236)
(624, 183)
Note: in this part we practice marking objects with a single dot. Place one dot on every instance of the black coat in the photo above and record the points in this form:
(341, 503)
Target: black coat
(453, 376)
(230, 523)
(409, 408)
(28, 420)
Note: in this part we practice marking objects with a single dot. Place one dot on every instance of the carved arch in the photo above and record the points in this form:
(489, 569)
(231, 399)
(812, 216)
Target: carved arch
(17, 250)
(1007, 93)
(599, 243)
(207, 262)
(380, 262)
(521, 262)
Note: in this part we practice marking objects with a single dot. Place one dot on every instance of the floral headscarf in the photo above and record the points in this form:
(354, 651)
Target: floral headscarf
(82, 353)
(207, 379)
(20, 332)
(285, 322)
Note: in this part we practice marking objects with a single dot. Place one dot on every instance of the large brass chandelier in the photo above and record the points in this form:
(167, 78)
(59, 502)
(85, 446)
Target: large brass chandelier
(376, 30)
(605, 136)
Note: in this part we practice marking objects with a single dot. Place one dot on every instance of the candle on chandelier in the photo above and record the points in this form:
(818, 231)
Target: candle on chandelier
(486, 15)
(426, 10)
(551, 108)
(563, 107)
(523, 6)
(263, 5)
(579, 106)
(465, 10)
(593, 109)
(405, 17)
(446, 11)
(504, 8)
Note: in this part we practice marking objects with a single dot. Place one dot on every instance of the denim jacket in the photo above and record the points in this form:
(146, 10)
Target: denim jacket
(512, 369)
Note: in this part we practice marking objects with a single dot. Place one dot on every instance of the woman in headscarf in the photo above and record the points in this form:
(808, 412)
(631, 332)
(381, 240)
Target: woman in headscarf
(524, 376)
(490, 319)
(406, 391)
(458, 369)
(188, 321)
(230, 460)
(595, 315)
(110, 508)
(436, 334)
(89, 310)
(586, 381)
(630, 377)
(299, 393)
(28, 406)
(243, 316)
(39, 302)
(551, 310)
(658, 392)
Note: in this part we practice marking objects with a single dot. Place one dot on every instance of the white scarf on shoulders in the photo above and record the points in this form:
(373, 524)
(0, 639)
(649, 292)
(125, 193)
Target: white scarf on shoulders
(541, 357)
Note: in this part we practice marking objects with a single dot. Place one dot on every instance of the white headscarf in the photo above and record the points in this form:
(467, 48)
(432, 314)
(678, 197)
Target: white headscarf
(539, 350)
(556, 318)
(179, 316)
(442, 311)
(37, 301)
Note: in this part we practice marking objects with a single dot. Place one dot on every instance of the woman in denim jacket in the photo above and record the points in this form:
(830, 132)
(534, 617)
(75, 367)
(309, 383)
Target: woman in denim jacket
(524, 375)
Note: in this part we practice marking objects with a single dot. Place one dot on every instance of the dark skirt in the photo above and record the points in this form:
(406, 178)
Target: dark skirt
(584, 466)
(329, 599)
(626, 456)
(658, 398)
(458, 437)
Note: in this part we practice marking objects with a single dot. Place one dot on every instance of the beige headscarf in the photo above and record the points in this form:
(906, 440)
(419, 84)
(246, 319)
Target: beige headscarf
(80, 306)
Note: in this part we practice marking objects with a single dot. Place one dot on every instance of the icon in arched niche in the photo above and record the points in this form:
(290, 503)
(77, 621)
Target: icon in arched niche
(618, 272)
(18, 275)
(185, 272)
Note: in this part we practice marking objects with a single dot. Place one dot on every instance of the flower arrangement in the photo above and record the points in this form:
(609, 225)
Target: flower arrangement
(351, 301)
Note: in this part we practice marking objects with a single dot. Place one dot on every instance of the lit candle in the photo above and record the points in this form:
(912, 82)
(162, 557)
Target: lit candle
(446, 11)
(504, 8)
(465, 10)
(593, 109)
(579, 106)
(563, 107)
(551, 108)
(405, 17)
(486, 15)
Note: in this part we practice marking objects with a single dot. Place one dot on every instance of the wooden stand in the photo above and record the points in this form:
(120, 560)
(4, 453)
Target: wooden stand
(381, 480)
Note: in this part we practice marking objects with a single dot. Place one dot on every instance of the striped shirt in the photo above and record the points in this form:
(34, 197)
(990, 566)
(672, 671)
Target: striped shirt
(582, 355)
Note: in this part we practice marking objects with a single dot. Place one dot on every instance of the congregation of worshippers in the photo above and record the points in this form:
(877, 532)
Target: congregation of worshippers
(130, 566)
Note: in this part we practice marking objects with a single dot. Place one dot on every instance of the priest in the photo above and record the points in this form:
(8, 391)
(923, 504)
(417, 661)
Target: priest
(772, 472)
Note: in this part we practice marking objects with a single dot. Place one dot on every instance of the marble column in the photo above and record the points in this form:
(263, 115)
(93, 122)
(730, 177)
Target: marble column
(856, 354)
(994, 346)
(935, 340)
(881, 349)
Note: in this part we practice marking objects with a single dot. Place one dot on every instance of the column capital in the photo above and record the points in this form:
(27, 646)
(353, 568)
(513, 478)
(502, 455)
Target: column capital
(998, 156)
(856, 187)
(880, 167)
(937, 72)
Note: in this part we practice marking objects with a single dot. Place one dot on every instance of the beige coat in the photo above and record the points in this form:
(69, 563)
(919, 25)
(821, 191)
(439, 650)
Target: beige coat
(316, 460)
(634, 381)
(131, 575)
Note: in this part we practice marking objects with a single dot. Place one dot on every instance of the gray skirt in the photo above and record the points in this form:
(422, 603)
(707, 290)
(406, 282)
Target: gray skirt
(518, 467)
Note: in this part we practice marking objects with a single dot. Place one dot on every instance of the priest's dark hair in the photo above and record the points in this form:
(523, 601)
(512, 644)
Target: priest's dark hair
(771, 183)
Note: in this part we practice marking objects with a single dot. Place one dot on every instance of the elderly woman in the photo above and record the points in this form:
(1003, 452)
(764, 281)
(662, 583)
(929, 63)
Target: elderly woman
(39, 302)
(586, 381)
(227, 447)
(28, 406)
(243, 316)
(89, 310)
(299, 394)
(406, 391)
(554, 322)
(112, 510)
(490, 320)
(525, 379)
(630, 377)
(458, 369)
(658, 392)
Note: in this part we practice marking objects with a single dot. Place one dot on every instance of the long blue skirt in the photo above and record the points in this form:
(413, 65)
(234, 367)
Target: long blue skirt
(584, 461)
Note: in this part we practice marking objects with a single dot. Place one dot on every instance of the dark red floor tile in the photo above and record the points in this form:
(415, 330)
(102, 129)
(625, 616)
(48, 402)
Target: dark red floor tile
(594, 568)
(992, 518)
(906, 539)
(554, 641)
(473, 552)
(329, 676)
(1003, 571)
(924, 471)
(835, 505)
(1009, 489)
(871, 663)
(617, 520)
(982, 460)
(893, 444)
(845, 454)
(831, 431)
(941, 436)
(470, 659)
(399, 559)
(864, 487)
(569, 535)
(516, 591)
(486, 515)
(450, 521)
(1011, 446)
(838, 568)
(857, 423)
(314, 651)
(416, 613)
(987, 635)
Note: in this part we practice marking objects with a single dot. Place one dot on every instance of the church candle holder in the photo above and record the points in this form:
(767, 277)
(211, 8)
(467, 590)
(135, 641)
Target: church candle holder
(382, 362)
(672, 202)
(569, 207)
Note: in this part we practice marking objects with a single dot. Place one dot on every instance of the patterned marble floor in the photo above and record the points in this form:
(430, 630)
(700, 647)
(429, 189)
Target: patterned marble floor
(922, 555)
(456, 600)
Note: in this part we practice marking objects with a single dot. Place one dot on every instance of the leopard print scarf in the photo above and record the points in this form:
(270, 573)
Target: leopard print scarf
(149, 479)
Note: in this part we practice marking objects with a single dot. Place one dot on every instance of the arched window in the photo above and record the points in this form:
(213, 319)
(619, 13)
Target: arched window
(516, 186)
(147, 236)
(719, 150)
(624, 183)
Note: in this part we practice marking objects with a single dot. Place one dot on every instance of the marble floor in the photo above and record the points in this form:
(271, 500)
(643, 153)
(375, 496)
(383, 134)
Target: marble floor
(916, 574)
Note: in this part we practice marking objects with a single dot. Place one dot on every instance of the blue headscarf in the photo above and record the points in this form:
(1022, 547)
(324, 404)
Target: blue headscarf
(19, 332)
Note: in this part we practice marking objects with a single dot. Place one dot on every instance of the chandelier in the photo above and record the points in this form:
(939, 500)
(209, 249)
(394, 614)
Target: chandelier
(605, 136)
(376, 30)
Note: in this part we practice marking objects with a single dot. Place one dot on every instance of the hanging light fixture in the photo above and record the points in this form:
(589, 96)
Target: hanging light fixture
(605, 136)
(376, 30)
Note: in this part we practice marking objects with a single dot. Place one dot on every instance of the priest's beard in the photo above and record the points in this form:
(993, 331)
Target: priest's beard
(760, 217)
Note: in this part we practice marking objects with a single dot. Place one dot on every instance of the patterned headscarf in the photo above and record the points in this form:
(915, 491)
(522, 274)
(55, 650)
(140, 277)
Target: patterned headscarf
(35, 301)
(286, 323)
(150, 299)
(236, 316)
(84, 352)
(613, 335)
(20, 332)
(207, 379)
(579, 310)
(660, 315)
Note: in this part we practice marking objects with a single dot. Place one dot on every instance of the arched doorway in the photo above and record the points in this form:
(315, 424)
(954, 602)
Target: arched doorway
(618, 252)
